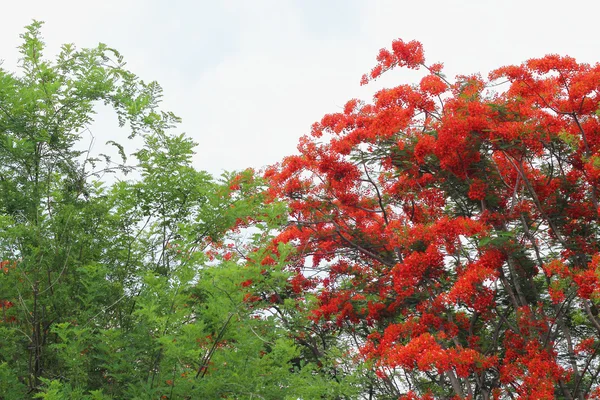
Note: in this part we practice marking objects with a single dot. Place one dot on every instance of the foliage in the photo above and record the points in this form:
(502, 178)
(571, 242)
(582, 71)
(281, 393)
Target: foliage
(128, 288)
(450, 230)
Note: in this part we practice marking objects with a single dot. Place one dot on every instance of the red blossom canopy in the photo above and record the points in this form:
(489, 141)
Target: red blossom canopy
(451, 229)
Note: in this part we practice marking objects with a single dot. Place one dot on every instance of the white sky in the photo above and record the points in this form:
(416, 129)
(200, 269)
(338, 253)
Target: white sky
(250, 77)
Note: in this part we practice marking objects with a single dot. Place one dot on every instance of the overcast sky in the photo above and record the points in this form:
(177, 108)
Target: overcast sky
(250, 77)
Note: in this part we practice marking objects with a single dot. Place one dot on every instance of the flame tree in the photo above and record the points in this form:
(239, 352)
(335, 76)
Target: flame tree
(449, 231)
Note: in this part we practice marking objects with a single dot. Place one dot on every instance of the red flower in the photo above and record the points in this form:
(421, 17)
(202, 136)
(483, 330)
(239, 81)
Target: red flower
(246, 283)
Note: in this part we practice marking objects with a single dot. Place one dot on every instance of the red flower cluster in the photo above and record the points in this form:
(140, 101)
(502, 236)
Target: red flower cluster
(458, 227)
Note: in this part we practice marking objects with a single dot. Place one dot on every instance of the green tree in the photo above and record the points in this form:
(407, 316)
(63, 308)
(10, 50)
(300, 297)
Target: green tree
(56, 225)
(133, 288)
